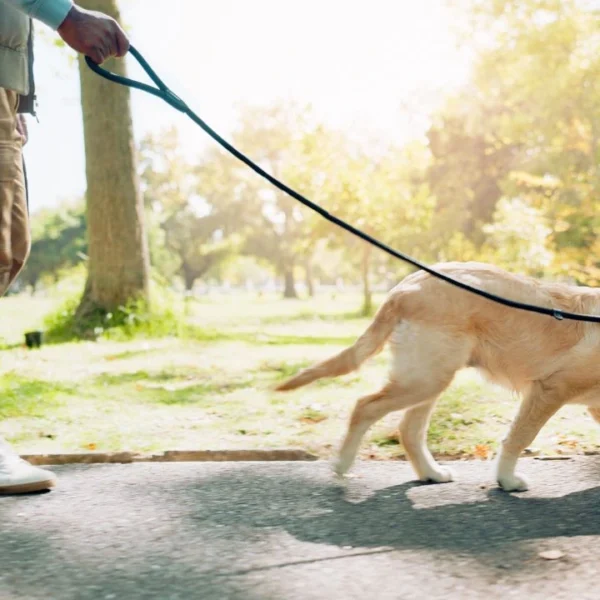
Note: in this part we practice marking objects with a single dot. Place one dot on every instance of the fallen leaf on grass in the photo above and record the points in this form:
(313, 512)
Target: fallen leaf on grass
(482, 451)
(313, 419)
(312, 414)
(551, 554)
(569, 442)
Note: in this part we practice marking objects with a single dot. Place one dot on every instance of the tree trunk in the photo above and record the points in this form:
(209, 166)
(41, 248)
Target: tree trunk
(189, 277)
(367, 306)
(118, 248)
(310, 284)
(289, 290)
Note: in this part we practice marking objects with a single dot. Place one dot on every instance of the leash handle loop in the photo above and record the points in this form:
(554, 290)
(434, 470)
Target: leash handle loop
(160, 91)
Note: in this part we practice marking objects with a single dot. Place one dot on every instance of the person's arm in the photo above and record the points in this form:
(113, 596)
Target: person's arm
(91, 33)
(50, 12)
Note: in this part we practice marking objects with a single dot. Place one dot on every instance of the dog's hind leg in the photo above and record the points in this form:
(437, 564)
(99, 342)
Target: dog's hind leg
(424, 361)
(370, 409)
(367, 411)
(413, 434)
(595, 412)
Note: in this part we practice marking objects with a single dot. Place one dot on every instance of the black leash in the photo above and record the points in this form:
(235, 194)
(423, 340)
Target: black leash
(164, 93)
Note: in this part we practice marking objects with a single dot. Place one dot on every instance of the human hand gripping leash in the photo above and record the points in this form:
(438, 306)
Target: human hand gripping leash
(164, 93)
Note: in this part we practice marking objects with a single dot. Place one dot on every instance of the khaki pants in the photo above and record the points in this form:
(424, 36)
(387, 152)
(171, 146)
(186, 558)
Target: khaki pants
(14, 221)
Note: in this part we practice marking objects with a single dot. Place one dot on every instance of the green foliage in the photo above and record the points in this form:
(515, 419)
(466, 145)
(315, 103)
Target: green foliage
(279, 229)
(523, 140)
(58, 242)
(193, 229)
(518, 237)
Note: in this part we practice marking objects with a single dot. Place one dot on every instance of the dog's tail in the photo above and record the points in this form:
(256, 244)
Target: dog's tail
(368, 344)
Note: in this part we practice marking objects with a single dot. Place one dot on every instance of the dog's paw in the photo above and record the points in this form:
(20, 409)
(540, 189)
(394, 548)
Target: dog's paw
(341, 467)
(438, 475)
(513, 483)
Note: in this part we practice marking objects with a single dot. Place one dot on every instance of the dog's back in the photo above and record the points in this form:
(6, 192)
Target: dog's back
(511, 346)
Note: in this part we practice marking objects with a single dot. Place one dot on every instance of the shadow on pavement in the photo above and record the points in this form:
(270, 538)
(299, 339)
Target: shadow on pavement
(492, 527)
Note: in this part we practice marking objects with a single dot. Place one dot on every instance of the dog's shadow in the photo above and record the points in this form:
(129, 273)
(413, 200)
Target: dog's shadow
(325, 512)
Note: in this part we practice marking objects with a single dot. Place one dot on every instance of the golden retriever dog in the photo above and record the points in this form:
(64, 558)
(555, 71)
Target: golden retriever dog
(434, 329)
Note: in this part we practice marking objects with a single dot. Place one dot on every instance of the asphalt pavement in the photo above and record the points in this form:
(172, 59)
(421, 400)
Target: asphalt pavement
(290, 531)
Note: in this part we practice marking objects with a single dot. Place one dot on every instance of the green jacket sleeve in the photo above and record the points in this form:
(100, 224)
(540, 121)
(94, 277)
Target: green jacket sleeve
(50, 12)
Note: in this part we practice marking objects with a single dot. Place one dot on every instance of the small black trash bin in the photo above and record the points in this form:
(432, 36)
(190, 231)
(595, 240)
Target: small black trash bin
(33, 339)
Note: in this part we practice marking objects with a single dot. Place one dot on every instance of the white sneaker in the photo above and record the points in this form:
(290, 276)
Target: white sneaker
(17, 476)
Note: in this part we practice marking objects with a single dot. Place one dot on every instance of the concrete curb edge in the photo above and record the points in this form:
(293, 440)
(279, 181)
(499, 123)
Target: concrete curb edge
(88, 458)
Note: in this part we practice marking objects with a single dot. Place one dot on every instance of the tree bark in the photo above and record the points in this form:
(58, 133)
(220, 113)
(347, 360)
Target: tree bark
(367, 306)
(118, 248)
(189, 277)
(289, 289)
(310, 284)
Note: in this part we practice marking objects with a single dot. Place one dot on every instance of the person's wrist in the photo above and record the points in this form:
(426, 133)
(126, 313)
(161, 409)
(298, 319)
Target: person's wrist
(68, 20)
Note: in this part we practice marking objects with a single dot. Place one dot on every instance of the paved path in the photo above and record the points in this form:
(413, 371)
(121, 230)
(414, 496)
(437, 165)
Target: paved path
(279, 531)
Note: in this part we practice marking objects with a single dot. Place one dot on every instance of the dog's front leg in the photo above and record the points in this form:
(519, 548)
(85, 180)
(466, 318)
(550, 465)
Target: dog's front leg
(413, 433)
(535, 410)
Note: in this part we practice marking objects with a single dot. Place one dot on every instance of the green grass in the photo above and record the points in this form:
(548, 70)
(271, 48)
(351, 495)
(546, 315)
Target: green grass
(25, 397)
(212, 388)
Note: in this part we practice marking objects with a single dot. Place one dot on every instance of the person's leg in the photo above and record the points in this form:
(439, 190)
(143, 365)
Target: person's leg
(11, 181)
(16, 475)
